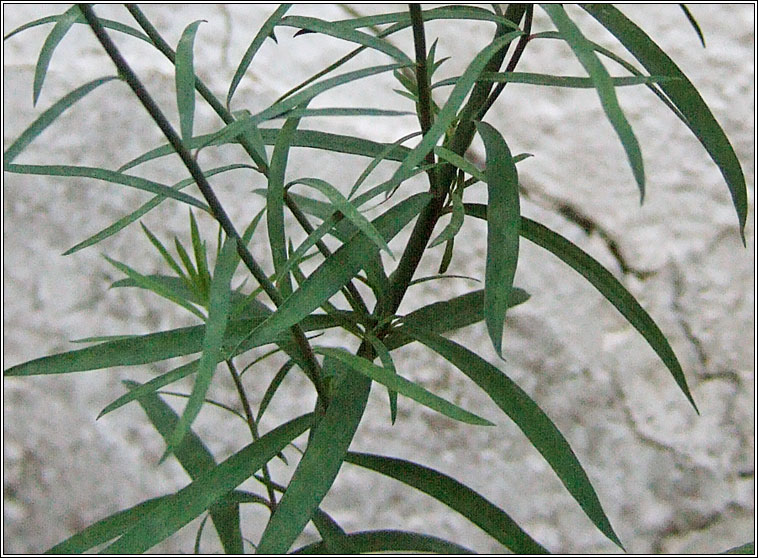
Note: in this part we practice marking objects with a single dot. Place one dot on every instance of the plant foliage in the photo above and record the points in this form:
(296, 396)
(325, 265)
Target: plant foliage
(284, 302)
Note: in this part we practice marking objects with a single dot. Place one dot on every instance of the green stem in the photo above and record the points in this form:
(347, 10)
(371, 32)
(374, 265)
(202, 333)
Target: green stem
(217, 210)
(253, 429)
(206, 93)
(512, 62)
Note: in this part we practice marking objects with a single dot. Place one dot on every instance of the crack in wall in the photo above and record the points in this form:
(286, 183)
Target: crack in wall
(574, 215)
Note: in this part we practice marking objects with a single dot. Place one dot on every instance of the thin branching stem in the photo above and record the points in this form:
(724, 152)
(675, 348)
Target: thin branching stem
(206, 93)
(251, 424)
(217, 210)
(520, 46)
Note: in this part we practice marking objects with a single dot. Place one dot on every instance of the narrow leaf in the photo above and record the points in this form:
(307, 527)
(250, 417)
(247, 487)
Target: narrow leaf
(693, 22)
(61, 27)
(302, 138)
(606, 283)
(108, 176)
(319, 465)
(263, 33)
(448, 112)
(474, 507)
(685, 97)
(154, 347)
(533, 422)
(347, 209)
(218, 315)
(747, 548)
(185, 79)
(196, 459)
(335, 539)
(275, 202)
(557, 81)
(449, 315)
(273, 387)
(502, 231)
(585, 53)
(345, 33)
(108, 528)
(174, 512)
(158, 287)
(456, 221)
(107, 23)
(125, 221)
(49, 116)
(337, 270)
(365, 542)
(404, 387)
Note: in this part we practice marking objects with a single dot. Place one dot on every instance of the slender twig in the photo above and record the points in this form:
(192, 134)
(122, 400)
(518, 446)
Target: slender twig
(217, 210)
(422, 73)
(206, 93)
(253, 429)
(520, 46)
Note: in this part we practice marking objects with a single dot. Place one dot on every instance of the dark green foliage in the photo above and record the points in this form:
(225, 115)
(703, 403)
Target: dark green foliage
(233, 320)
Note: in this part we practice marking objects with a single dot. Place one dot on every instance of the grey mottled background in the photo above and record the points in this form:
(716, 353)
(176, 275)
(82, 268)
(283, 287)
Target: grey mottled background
(670, 481)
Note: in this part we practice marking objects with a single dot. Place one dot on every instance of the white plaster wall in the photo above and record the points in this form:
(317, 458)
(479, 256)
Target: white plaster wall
(670, 481)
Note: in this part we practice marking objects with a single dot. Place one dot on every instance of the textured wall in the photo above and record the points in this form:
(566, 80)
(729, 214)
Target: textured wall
(670, 481)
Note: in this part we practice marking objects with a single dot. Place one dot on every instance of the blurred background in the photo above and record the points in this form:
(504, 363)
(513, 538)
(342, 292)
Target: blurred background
(670, 481)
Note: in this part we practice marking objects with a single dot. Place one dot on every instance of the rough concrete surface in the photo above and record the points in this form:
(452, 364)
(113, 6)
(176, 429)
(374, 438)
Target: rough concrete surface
(670, 481)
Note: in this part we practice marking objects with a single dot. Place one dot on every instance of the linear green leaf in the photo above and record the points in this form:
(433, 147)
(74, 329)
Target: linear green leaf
(449, 315)
(61, 27)
(154, 347)
(260, 37)
(365, 542)
(345, 33)
(474, 507)
(196, 459)
(273, 387)
(107, 23)
(685, 97)
(49, 116)
(533, 422)
(176, 285)
(218, 315)
(173, 513)
(275, 202)
(694, 23)
(108, 176)
(556, 81)
(455, 100)
(404, 387)
(126, 220)
(230, 131)
(585, 53)
(347, 209)
(502, 231)
(386, 359)
(606, 283)
(107, 529)
(334, 537)
(378, 159)
(337, 270)
(446, 12)
(303, 138)
(456, 221)
(747, 548)
(185, 79)
(319, 465)
(158, 287)
(344, 111)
